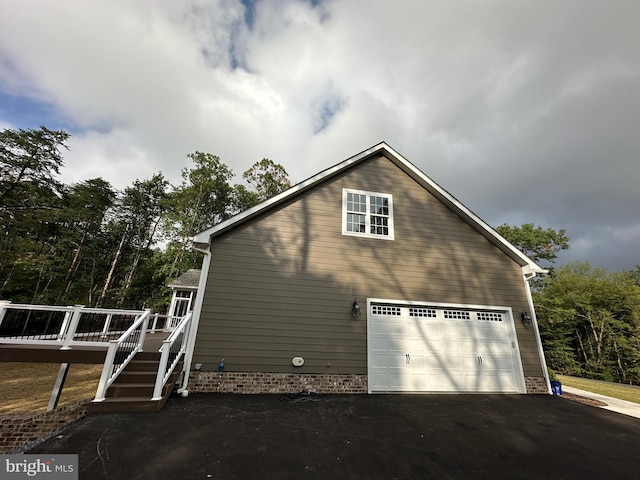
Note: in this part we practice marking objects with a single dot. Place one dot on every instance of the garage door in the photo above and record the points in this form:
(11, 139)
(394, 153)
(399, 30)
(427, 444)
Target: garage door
(438, 348)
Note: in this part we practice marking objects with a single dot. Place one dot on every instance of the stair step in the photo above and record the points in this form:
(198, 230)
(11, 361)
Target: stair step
(126, 404)
(143, 376)
(125, 390)
(136, 365)
(148, 356)
(133, 389)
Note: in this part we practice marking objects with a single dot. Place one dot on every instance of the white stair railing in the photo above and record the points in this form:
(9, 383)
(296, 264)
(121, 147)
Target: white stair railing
(163, 323)
(120, 353)
(172, 350)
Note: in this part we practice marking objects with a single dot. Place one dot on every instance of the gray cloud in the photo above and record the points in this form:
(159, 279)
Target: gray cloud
(525, 111)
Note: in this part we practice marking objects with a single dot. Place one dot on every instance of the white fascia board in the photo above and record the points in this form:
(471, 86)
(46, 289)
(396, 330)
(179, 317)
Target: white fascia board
(393, 155)
(452, 201)
(530, 272)
(204, 237)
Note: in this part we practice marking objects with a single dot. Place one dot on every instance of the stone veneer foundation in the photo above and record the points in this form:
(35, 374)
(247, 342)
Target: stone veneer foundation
(261, 382)
(256, 382)
(536, 385)
(19, 431)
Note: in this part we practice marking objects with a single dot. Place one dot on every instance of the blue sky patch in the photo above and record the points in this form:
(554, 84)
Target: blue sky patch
(330, 107)
(250, 9)
(249, 12)
(24, 112)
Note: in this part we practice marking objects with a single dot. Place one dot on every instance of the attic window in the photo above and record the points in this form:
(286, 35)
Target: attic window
(367, 214)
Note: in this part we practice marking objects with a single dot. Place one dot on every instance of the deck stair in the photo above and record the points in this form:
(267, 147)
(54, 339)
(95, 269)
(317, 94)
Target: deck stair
(142, 355)
(133, 389)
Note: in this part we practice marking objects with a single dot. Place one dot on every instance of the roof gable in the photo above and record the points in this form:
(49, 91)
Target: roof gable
(203, 239)
(188, 279)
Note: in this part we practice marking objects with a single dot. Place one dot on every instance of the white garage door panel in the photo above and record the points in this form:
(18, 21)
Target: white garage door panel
(498, 383)
(396, 383)
(417, 346)
(438, 349)
(388, 326)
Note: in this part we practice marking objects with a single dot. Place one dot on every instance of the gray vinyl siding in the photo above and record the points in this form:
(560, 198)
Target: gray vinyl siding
(281, 285)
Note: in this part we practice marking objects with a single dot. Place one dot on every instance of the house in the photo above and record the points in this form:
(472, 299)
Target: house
(367, 277)
(183, 293)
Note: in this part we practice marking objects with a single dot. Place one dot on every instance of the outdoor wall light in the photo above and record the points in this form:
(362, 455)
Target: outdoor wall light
(355, 309)
(526, 318)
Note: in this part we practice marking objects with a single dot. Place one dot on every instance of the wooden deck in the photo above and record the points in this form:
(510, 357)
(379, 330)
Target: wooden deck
(53, 354)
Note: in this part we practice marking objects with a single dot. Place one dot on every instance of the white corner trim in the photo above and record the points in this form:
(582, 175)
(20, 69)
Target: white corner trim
(534, 325)
(195, 320)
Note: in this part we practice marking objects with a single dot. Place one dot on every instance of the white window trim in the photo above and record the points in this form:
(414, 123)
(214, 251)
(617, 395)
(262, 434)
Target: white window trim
(367, 233)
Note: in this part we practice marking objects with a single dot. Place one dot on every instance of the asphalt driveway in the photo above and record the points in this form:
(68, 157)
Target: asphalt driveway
(223, 436)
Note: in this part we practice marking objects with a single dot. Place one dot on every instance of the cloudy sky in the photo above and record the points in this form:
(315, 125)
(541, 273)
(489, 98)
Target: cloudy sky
(526, 111)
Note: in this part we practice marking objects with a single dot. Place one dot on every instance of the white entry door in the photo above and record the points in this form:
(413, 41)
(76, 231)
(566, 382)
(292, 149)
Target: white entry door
(437, 348)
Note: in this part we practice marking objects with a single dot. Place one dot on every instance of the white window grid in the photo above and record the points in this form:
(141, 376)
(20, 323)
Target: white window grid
(367, 214)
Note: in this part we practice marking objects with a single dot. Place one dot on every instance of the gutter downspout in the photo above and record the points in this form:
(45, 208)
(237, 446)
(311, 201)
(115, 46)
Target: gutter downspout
(195, 320)
(534, 323)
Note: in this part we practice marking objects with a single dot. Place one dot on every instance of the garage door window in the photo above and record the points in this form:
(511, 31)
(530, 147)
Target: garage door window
(457, 315)
(385, 310)
(490, 316)
(367, 214)
(418, 312)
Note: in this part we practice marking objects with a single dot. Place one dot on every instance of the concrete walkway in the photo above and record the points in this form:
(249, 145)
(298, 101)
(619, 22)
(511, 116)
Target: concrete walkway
(614, 404)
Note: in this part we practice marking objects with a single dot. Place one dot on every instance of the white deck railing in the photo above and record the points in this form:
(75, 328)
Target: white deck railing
(172, 350)
(163, 323)
(63, 327)
(120, 332)
(120, 353)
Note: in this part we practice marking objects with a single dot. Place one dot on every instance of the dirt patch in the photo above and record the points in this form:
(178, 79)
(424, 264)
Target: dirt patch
(26, 387)
(585, 400)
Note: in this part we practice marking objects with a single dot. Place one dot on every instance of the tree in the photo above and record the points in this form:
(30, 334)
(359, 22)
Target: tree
(29, 201)
(590, 322)
(30, 205)
(29, 247)
(29, 157)
(267, 178)
(85, 207)
(536, 242)
(86, 243)
(145, 203)
(136, 221)
(636, 274)
(204, 198)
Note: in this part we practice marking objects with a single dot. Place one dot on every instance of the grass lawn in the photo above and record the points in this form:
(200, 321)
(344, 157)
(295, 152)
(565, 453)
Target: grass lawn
(615, 390)
(26, 387)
